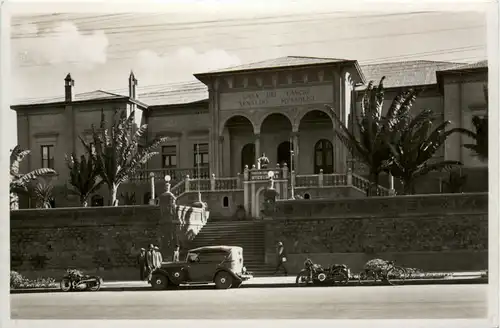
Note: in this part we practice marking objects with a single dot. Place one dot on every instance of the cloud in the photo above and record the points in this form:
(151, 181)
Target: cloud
(181, 64)
(61, 43)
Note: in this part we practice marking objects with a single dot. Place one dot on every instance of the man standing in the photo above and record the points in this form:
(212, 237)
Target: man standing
(281, 260)
(175, 258)
(150, 261)
(157, 259)
(141, 261)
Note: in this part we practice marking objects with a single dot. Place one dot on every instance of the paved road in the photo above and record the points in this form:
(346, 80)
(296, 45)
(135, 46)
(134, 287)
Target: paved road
(377, 302)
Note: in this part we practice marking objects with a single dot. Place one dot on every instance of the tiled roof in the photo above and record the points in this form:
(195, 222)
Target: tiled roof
(288, 61)
(460, 67)
(404, 74)
(92, 95)
(175, 94)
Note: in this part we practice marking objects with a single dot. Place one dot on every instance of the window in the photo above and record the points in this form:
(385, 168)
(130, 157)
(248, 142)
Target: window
(225, 201)
(169, 156)
(47, 156)
(203, 151)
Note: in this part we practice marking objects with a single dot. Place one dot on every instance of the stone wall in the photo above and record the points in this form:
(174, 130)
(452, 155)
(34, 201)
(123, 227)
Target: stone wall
(424, 227)
(103, 240)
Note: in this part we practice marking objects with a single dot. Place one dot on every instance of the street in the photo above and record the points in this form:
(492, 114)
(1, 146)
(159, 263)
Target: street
(373, 302)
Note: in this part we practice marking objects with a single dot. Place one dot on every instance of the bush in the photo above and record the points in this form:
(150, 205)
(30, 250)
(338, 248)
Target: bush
(17, 281)
(376, 265)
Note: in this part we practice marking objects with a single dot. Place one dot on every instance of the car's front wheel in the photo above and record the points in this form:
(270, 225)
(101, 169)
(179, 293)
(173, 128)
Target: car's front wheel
(223, 280)
(159, 282)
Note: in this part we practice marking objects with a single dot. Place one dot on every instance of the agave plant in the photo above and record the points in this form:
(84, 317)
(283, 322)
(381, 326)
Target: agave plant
(84, 177)
(368, 143)
(19, 182)
(117, 151)
(413, 143)
(42, 192)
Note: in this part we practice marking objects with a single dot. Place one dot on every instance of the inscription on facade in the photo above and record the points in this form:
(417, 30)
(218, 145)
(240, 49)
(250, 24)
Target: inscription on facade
(276, 98)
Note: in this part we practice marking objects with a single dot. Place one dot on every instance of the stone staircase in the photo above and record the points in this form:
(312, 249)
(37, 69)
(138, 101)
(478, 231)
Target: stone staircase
(247, 234)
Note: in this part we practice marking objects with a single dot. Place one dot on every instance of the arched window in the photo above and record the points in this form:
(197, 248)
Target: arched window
(307, 196)
(323, 156)
(225, 201)
(247, 156)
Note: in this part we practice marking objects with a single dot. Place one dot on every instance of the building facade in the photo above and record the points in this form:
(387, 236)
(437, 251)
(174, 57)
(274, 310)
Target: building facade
(231, 117)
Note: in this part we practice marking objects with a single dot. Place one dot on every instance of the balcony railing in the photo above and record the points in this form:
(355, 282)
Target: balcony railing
(175, 174)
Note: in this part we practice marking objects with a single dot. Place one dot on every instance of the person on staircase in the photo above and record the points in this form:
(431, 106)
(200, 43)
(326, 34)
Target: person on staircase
(281, 260)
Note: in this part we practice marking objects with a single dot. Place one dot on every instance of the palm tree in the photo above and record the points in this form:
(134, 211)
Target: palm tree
(480, 136)
(19, 181)
(84, 176)
(117, 151)
(413, 144)
(42, 192)
(368, 144)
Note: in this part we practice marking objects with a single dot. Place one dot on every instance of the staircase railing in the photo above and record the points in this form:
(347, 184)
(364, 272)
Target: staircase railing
(212, 184)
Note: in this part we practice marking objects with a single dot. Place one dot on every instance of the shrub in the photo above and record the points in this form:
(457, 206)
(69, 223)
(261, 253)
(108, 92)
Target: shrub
(17, 281)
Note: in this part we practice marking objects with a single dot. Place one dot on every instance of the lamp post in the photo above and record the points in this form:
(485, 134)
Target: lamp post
(167, 183)
(270, 175)
(198, 171)
(152, 181)
(291, 175)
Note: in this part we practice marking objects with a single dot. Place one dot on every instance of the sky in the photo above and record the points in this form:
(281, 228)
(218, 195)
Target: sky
(100, 50)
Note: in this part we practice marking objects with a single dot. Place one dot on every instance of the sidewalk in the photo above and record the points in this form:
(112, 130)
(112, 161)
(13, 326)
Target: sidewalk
(279, 282)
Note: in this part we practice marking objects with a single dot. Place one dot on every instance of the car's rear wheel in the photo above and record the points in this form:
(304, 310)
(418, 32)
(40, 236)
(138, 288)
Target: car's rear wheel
(159, 282)
(223, 280)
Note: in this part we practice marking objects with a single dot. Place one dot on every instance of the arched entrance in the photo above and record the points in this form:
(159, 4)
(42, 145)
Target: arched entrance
(97, 200)
(275, 132)
(323, 157)
(283, 153)
(238, 131)
(247, 156)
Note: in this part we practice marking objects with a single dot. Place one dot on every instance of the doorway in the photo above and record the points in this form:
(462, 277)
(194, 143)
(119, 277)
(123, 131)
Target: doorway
(323, 157)
(283, 155)
(247, 156)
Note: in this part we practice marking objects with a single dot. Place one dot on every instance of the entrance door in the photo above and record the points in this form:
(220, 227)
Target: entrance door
(284, 149)
(323, 156)
(247, 156)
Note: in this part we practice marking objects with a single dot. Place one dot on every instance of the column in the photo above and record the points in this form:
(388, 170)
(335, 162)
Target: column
(295, 145)
(257, 147)
(220, 171)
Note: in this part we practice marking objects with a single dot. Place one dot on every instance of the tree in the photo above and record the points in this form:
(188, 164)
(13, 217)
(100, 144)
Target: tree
(367, 140)
(84, 176)
(479, 135)
(42, 193)
(117, 151)
(19, 182)
(413, 144)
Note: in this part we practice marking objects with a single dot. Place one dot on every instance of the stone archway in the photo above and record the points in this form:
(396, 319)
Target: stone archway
(237, 133)
(276, 129)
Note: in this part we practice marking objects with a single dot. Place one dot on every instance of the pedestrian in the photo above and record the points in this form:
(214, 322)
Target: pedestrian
(176, 256)
(150, 262)
(158, 258)
(281, 260)
(141, 261)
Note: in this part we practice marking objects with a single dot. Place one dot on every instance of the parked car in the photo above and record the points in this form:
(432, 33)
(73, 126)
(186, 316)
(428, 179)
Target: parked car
(222, 265)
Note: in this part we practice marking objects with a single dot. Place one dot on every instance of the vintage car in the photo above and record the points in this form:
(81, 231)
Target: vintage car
(222, 265)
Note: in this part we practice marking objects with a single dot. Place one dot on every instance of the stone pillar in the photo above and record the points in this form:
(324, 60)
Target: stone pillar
(152, 182)
(246, 190)
(257, 147)
(168, 234)
(212, 182)
(320, 178)
(295, 145)
(186, 183)
(220, 146)
(349, 177)
(392, 191)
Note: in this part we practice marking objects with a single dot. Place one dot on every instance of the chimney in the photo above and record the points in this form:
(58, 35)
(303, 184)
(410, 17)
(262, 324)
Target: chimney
(69, 83)
(132, 83)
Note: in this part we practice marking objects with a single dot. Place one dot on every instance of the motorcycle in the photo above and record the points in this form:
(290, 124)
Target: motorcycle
(316, 274)
(75, 280)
